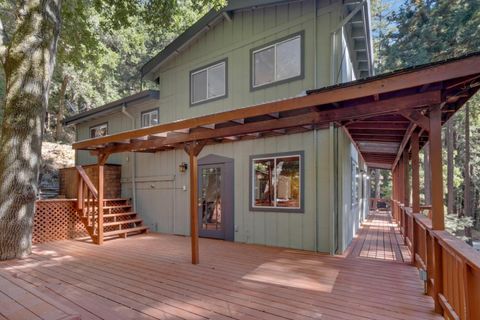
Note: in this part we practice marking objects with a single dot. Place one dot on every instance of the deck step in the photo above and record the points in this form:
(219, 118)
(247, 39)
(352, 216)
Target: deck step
(117, 223)
(125, 231)
(117, 207)
(116, 215)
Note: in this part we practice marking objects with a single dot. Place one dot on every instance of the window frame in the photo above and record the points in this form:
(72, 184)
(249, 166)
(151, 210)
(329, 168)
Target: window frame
(96, 126)
(274, 43)
(301, 209)
(205, 68)
(146, 112)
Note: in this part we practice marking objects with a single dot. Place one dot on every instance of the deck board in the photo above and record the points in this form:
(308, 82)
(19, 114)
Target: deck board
(150, 277)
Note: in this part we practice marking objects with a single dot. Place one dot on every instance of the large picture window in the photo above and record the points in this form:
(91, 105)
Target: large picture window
(149, 118)
(277, 182)
(99, 130)
(208, 83)
(277, 62)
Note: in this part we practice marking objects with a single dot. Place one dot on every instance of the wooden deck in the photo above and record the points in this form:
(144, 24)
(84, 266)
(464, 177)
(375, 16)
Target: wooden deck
(151, 277)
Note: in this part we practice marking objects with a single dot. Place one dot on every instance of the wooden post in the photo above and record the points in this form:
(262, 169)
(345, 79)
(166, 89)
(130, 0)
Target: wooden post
(406, 174)
(193, 149)
(102, 159)
(80, 202)
(436, 168)
(415, 190)
(438, 223)
(415, 173)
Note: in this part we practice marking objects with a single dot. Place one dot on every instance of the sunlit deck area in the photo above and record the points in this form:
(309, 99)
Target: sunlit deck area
(151, 277)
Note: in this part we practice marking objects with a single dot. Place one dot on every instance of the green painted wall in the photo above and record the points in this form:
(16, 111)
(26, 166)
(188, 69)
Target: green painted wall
(162, 192)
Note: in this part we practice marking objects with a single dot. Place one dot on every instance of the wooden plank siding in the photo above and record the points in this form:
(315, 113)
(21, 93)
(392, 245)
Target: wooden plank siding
(150, 277)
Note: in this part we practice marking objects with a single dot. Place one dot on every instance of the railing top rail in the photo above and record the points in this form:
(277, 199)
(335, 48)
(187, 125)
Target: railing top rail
(87, 180)
(460, 248)
(424, 220)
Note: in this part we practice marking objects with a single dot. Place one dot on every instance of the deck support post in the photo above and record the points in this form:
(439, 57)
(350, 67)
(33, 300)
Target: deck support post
(438, 222)
(193, 149)
(415, 189)
(102, 159)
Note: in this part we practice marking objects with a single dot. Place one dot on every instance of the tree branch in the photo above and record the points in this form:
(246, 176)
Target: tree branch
(3, 43)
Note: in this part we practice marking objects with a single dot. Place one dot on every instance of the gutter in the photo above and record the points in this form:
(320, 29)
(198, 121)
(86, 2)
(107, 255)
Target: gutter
(134, 157)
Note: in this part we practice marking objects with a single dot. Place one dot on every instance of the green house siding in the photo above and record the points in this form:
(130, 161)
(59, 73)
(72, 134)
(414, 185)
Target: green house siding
(328, 222)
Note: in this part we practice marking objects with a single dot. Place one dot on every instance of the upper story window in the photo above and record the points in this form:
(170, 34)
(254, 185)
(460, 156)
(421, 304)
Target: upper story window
(208, 83)
(150, 118)
(276, 182)
(278, 62)
(99, 130)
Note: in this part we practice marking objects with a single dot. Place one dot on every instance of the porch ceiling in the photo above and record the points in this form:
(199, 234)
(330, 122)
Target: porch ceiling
(379, 113)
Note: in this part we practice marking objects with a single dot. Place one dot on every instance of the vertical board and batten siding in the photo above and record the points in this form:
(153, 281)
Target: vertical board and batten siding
(162, 192)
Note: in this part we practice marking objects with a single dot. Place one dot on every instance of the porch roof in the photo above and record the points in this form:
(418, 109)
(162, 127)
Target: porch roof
(379, 113)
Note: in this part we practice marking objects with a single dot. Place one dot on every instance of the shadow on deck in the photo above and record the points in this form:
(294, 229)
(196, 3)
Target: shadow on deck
(150, 277)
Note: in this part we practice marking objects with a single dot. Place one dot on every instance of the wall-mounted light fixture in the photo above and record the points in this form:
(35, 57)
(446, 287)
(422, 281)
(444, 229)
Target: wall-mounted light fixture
(183, 167)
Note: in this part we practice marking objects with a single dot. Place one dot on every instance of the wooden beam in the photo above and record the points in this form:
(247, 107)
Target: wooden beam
(394, 82)
(406, 178)
(193, 149)
(100, 191)
(418, 118)
(380, 107)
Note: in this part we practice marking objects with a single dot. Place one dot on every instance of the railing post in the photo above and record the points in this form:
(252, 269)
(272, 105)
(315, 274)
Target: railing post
(79, 192)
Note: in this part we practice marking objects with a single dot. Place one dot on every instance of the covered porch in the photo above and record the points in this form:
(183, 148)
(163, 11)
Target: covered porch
(149, 277)
(389, 118)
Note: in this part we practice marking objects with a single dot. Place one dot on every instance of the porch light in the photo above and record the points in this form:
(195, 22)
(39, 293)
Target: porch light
(183, 167)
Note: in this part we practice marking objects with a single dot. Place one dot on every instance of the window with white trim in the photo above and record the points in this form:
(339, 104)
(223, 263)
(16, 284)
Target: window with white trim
(276, 182)
(277, 62)
(208, 83)
(99, 130)
(150, 118)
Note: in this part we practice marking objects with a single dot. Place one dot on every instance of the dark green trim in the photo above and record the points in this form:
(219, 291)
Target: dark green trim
(302, 182)
(194, 104)
(97, 125)
(276, 83)
(148, 111)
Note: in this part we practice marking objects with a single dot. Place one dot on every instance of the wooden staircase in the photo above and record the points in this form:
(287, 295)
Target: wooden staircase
(105, 218)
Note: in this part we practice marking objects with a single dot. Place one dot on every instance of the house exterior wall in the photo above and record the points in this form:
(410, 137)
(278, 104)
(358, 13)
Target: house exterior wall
(162, 192)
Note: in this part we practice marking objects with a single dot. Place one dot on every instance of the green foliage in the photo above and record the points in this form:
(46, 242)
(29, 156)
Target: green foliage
(103, 44)
(423, 31)
(455, 225)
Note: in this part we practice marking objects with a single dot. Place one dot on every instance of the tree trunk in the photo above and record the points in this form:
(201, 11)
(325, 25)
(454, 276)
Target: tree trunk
(61, 109)
(426, 175)
(28, 64)
(467, 207)
(450, 194)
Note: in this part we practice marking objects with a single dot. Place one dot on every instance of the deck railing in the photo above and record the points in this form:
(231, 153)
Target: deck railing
(90, 206)
(452, 267)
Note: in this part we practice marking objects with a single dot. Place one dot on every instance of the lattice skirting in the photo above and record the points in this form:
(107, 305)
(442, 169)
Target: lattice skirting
(57, 220)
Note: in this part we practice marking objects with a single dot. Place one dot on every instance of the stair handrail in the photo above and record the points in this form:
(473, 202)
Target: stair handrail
(87, 181)
(89, 206)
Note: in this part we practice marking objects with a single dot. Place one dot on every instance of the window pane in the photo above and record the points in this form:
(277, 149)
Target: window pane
(216, 81)
(154, 118)
(263, 193)
(264, 69)
(145, 120)
(289, 59)
(99, 131)
(199, 86)
(288, 182)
